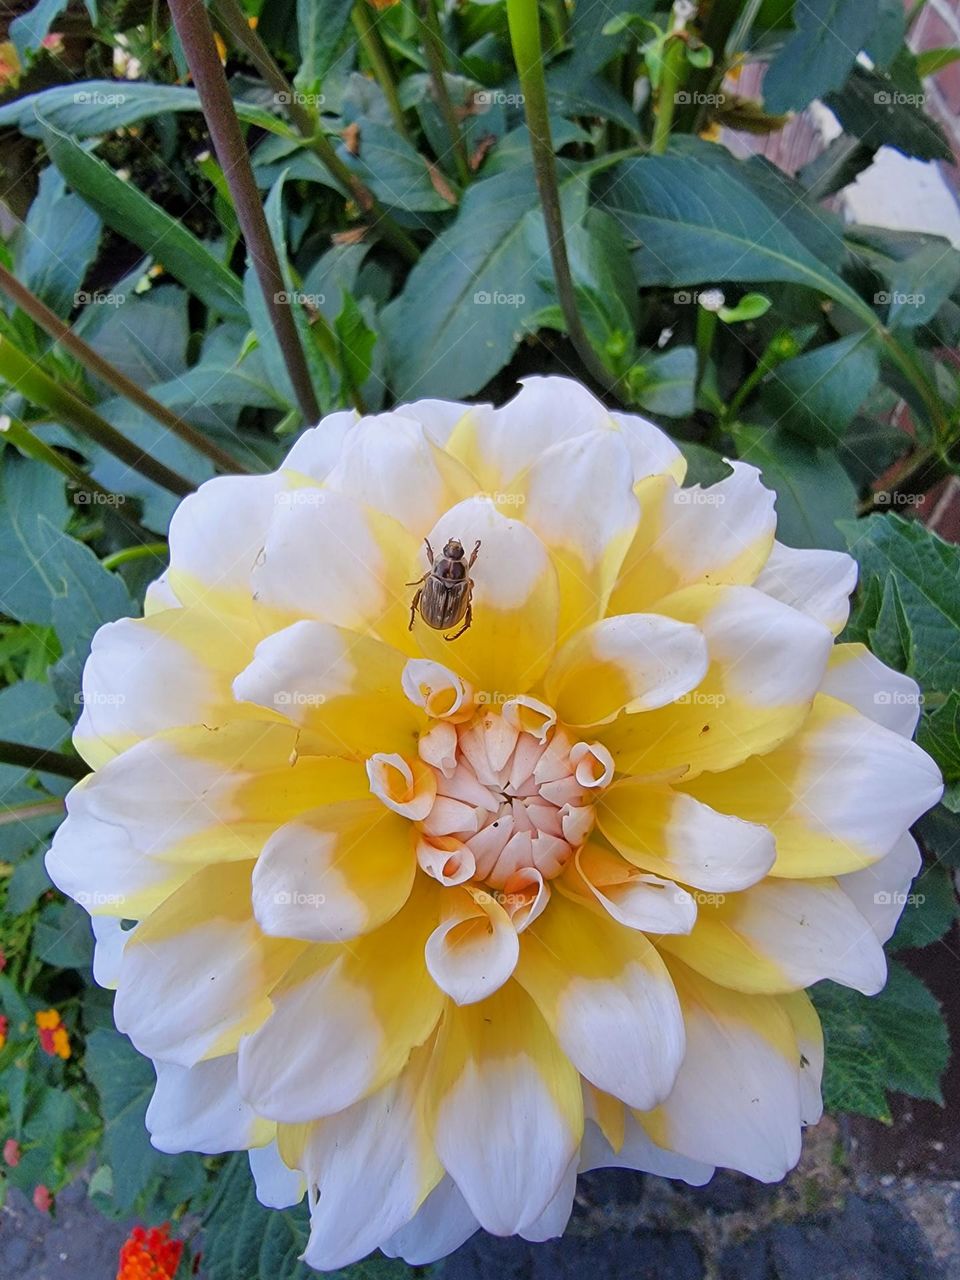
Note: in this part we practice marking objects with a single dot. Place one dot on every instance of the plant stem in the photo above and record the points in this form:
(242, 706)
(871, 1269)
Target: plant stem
(377, 52)
(196, 35)
(524, 21)
(64, 766)
(561, 18)
(25, 376)
(433, 48)
(671, 75)
(20, 435)
(158, 549)
(51, 323)
(235, 24)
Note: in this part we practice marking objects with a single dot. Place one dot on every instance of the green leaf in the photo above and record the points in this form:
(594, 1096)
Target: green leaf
(227, 373)
(56, 244)
(667, 384)
(939, 734)
(926, 573)
(462, 311)
(124, 1082)
(812, 488)
(321, 27)
(880, 111)
(750, 307)
(397, 174)
(929, 911)
(816, 394)
(129, 212)
(63, 937)
(357, 341)
(142, 335)
(88, 108)
(29, 493)
(820, 53)
(930, 61)
(29, 30)
(921, 284)
(894, 1040)
(695, 219)
(514, 147)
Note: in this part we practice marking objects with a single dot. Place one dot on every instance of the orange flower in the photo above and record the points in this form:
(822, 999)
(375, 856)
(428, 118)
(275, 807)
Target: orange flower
(149, 1254)
(4, 1029)
(53, 1034)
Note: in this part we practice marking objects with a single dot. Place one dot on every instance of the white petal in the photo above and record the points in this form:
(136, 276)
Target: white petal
(475, 948)
(316, 450)
(885, 696)
(544, 411)
(816, 582)
(110, 939)
(441, 1224)
(552, 1222)
(200, 1109)
(639, 1152)
(881, 891)
(278, 1186)
(652, 452)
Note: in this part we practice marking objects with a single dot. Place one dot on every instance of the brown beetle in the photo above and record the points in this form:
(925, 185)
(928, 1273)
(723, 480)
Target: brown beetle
(445, 592)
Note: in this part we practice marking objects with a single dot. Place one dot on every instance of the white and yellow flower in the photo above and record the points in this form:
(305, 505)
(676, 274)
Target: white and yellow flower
(430, 926)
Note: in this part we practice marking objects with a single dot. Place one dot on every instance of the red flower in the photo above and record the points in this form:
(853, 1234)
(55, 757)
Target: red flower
(42, 1199)
(149, 1254)
(11, 1152)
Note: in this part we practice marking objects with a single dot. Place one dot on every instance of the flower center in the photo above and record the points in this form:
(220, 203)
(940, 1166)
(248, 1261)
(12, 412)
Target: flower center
(514, 794)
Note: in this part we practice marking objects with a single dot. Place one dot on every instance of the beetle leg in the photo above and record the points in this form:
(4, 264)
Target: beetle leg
(429, 551)
(467, 617)
(413, 606)
(418, 581)
(473, 554)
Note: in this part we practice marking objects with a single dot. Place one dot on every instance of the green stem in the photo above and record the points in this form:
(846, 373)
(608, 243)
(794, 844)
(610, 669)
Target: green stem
(433, 48)
(561, 21)
(26, 377)
(706, 331)
(244, 37)
(91, 360)
(524, 21)
(124, 556)
(20, 435)
(774, 353)
(671, 77)
(196, 35)
(380, 61)
(35, 758)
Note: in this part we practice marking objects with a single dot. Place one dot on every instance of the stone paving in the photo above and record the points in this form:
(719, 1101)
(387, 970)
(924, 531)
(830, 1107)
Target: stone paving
(827, 1221)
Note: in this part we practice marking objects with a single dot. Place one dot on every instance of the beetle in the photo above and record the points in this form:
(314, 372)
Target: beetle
(445, 592)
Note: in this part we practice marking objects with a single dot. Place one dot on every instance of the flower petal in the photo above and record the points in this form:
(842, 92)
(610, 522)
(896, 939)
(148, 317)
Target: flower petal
(195, 974)
(278, 1186)
(631, 663)
(736, 1101)
(506, 1109)
(344, 1020)
(637, 1151)
(371, 1167)
(335, 873)
(441, 1224)
(816, 582)
(881, 891)
(474, 950)
(340, 686)
(674, 835)
(766, 663)
(607, 997)
(781, 935)
(200, 1109)
(836, 796)
(632, 898)
(883, 695)
(720, 535)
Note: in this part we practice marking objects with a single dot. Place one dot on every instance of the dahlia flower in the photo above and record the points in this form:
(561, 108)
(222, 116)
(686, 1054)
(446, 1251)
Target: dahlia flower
(429, 926)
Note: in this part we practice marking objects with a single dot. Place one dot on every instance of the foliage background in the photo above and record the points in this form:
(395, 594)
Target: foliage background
(828, 362)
